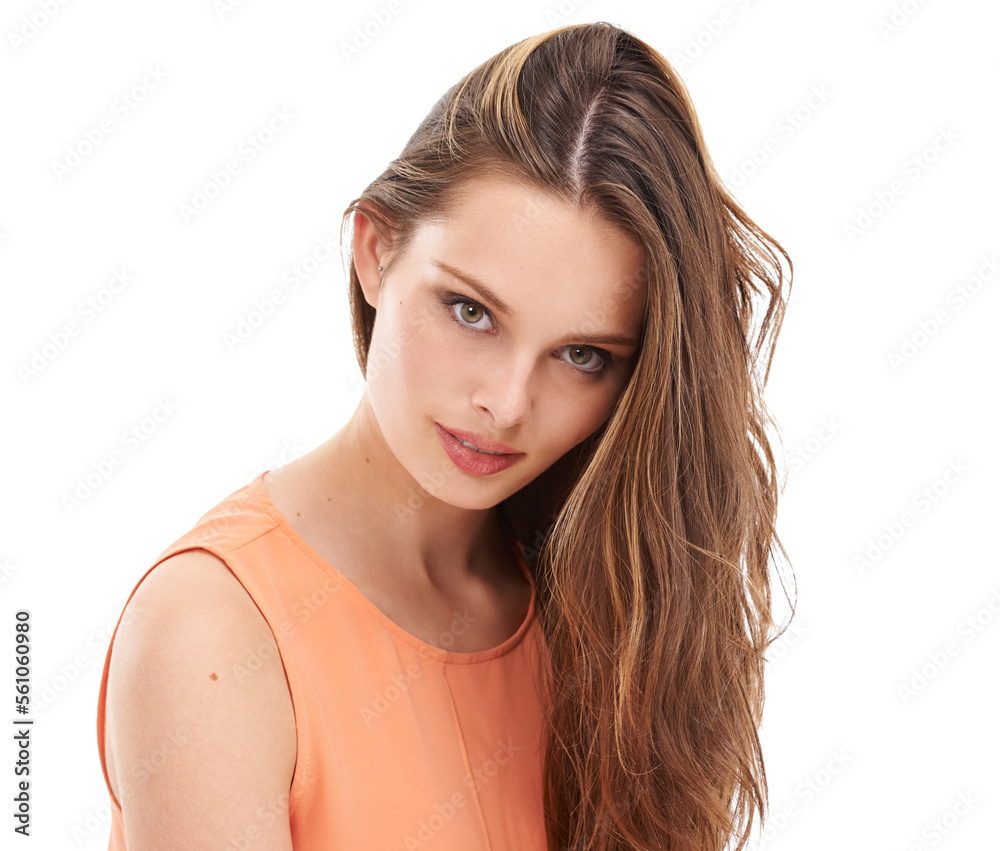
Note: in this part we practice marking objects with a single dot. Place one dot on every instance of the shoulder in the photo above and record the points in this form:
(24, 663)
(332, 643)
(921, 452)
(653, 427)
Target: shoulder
(196, 745)
(190, 588)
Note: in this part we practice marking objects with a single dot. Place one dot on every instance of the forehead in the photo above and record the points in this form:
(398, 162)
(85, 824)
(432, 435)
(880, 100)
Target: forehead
(535, 249)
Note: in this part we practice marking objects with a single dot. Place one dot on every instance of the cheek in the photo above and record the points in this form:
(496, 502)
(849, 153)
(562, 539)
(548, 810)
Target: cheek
(601, 410)
(397, 341)
(415, 359)
(573, 419)
(429, 352)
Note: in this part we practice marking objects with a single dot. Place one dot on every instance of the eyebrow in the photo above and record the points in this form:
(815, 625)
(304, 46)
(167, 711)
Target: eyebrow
(485, 293)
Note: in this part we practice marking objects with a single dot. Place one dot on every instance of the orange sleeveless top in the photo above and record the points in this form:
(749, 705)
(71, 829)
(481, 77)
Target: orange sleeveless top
(400, 744)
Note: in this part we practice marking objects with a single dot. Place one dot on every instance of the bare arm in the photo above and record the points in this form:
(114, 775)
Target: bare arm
(200, 748)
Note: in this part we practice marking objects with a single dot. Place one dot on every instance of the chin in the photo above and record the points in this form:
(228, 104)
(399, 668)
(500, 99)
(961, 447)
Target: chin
(476, 493)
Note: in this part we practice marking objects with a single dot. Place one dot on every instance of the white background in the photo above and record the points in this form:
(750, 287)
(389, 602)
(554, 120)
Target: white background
(874, 408)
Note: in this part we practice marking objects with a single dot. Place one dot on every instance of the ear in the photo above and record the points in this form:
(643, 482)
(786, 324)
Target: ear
(369, 252)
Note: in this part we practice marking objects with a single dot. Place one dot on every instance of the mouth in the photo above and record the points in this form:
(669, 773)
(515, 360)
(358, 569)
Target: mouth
(479, 443)
(473, 446)
(472, 457)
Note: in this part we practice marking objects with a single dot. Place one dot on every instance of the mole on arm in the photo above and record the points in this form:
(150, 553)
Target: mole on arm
(213, 676)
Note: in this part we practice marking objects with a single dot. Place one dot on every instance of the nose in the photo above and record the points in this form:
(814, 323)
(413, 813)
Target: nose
(505, 392)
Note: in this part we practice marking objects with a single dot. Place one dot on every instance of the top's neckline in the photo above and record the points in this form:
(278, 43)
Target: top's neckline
(426, 649)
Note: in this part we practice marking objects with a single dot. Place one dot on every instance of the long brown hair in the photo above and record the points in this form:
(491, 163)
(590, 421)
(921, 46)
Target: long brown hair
(650, 540)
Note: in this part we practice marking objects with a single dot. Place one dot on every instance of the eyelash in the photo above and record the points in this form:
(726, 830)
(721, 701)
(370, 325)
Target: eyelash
(451, 299)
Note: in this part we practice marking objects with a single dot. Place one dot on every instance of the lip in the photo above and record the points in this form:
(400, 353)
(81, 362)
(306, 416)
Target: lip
(471, 461)
(480, 441)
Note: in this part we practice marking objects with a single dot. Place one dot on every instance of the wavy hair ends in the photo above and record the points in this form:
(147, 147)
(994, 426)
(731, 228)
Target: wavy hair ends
(653, 538)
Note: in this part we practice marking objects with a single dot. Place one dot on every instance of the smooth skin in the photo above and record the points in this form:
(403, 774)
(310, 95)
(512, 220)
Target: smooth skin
(198, 762)
(193, 759)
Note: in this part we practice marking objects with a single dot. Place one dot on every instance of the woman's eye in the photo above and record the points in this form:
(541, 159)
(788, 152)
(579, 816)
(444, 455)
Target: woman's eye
(471, 314)
(585, 357)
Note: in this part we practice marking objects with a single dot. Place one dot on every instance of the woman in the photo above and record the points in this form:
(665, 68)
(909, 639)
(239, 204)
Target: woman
(551, 295)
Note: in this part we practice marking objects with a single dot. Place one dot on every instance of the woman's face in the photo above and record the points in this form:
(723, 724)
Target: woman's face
(525, 357)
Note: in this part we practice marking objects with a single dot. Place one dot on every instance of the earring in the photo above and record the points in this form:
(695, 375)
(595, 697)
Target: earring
(380, 268)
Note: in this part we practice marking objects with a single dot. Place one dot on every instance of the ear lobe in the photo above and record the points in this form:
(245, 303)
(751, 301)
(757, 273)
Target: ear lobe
(369, 251)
